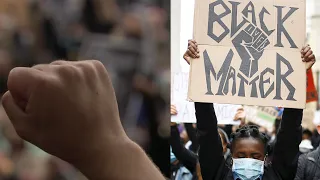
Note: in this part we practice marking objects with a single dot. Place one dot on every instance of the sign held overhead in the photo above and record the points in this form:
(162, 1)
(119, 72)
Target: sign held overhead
(249, 53)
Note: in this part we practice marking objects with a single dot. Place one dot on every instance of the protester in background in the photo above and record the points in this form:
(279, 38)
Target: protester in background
(309, 166)
(188, 158)
(306, 145)
(185, 158)
(249, 147)
(306, 134)
(81, 100)
(178, 172)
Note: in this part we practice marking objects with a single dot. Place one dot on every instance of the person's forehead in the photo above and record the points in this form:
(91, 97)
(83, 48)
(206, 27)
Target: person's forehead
(248, 144)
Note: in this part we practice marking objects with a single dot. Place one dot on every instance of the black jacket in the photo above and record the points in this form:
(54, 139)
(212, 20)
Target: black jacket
(309, 166)
(285, 158)
(186, 157)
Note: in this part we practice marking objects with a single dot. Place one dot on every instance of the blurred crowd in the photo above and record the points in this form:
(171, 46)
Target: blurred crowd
(184, 145)
(131, 37)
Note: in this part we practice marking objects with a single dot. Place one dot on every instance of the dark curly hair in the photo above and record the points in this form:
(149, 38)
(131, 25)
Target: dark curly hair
(250, 131)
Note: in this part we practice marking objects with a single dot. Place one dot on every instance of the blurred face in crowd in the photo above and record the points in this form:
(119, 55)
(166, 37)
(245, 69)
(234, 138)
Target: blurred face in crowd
(306, 136)
(248, 148)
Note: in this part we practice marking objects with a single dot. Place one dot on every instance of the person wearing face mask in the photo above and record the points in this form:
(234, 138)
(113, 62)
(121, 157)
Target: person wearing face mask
(306, 144)
(309, 166)
(249, 146)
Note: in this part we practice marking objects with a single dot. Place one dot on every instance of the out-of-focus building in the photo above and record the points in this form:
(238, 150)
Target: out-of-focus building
(313, 37)
(313, 15)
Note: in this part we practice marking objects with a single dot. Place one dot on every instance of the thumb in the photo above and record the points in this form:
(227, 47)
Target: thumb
(21, 83)
(14, 112)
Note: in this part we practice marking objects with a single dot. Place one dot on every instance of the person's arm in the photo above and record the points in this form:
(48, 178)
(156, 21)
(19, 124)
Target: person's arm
(122, 160)
(79, 112)
(192, 134)
(186, 157)
(210, 152)
(286, 149)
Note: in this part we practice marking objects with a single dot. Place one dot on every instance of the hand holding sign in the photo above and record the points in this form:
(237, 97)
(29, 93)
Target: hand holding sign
(173, 110)
(192, 51)
(240, 116)
(308, 56)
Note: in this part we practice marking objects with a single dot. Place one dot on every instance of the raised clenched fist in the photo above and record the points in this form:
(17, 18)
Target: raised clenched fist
(250, 44)
(68, 109)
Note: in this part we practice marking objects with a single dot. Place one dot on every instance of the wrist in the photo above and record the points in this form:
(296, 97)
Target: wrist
(119, 159)
(97, 161)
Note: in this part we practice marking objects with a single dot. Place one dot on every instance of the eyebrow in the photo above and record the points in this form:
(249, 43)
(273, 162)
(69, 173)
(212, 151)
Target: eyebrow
(256, 153)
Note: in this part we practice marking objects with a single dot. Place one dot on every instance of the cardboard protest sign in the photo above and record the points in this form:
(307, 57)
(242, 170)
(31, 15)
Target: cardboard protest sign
(249, 53)
(186, 112)
(262, 116)
(312, 94)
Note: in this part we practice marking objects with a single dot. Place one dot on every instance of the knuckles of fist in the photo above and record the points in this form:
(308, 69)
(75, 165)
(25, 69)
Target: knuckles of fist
(62, 101)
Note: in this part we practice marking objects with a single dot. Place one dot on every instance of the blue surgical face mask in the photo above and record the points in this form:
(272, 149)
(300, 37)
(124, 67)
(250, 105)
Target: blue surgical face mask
(247, 169)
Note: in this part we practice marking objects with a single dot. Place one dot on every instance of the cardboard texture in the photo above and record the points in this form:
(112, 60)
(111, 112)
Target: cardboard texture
(249, 53)
(312, 94)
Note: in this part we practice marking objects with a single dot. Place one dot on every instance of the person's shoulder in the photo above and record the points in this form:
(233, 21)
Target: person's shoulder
(312, 154)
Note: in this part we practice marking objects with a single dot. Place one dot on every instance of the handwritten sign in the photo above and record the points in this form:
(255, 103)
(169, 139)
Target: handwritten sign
(186, 112)
(249, 53)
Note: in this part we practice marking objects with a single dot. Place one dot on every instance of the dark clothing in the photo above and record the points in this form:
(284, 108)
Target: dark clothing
(228, 129)
(213, 164)
(187, 158)
(192, 134)
(315, 139)
(309, 166)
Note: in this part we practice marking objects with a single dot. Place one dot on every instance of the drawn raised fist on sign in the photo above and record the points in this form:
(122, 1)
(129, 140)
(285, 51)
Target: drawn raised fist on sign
(250, 44)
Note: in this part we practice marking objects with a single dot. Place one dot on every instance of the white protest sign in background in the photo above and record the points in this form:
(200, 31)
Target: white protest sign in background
(262, 116)
(186, 113)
